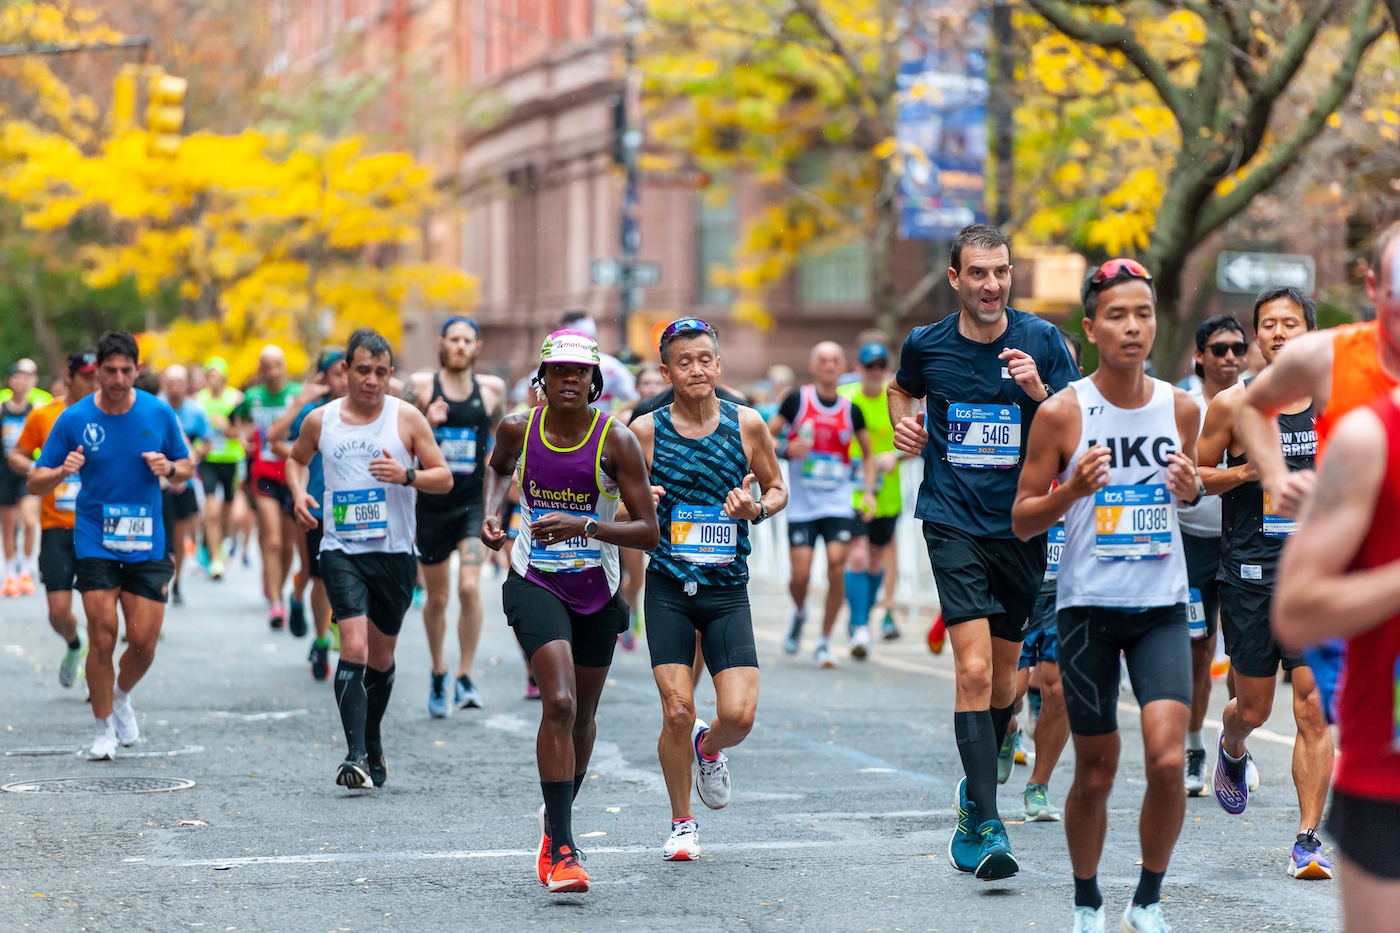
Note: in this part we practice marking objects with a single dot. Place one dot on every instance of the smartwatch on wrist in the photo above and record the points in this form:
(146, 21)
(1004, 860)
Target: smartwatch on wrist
(762, 513)
(590, 528)
(409, 476)
(171, 473)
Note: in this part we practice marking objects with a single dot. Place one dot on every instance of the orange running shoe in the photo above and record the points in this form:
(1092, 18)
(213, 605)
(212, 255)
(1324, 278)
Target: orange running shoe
(26, 584)
(11, 587)
(566, 874)
(542, 859)
(937, 635)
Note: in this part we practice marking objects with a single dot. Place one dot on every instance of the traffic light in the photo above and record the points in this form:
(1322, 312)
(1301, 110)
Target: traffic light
(124, 100)
(619, 128)
(165, 112)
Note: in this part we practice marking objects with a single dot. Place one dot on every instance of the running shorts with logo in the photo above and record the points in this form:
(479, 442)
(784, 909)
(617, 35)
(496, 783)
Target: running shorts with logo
(149, 579)
(539, 617)
(676, 611)
(880, 531)
(58, 562)
(986, 578)
(216, 476)
(377, 585)
(1156, 642)
(1042, 643)
(313, 552)
(830, 530)
(464, 438)
(279, 492)
(176, 507)
(1244, 621)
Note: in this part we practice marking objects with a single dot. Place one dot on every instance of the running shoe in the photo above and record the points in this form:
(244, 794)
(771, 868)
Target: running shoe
(542, 857)
(354, 774)
(464, 695)
(296, 619)
(11, 587)
(320, 658)
(994, 860)
(438, 707)
(1036, 805)
(684, 844)
(964, 847)
(376, 764)
(1233, 796)
(1144, 919)
(1006, 757)
(711, 777)
(794, 635)
(71, 667)
(1088, 920)
(888, 630)
(566, 874)
(823, 655)
(420, 596)
(937, 635)
(217, 569)
(1251, 773)
(124, 719)
(1033, 704)
(627, 640)
(1020, 756)
(26, 584)
(276, 617)
(1195, 772)
(860, 642)
(532, 689)
(1307, 862)
(202, 556)
(104, 747)
(176, 598)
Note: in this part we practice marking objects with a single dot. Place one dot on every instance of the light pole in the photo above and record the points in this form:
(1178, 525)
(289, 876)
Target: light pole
(629, 294)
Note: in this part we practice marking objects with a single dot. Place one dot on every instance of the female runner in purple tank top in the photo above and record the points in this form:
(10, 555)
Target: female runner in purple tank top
(561, 598)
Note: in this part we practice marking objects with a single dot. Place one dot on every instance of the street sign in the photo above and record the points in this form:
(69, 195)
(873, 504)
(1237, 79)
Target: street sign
(608, 272)
(1249, 273)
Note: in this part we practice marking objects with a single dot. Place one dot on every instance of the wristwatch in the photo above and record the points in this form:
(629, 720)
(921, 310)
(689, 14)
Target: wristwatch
(762, 513)
(409, 476)
(171, 474)
(1048, 391)
(590, 528)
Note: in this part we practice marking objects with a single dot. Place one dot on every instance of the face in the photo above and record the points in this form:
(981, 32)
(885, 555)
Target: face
(650, 383)
(115, 376)
(215, 381)
(458, 348)
(875, 372)
(338, 379)
(694, 366)
(828, 363)
(1380, 288)
(81, 385)
(27, 376)
(1223, 370)
(1124, 325)
(566, 385)
(984, 284)
(272, 367)
(1280, 321)
(368, 378)
(177, 384)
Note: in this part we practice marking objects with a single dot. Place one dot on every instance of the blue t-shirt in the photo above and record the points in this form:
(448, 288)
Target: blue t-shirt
(942, 366)
(192, 419)
(316, 477)
(118, 511)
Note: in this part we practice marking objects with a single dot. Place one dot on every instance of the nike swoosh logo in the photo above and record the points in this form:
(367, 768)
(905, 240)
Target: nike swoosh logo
(1146, 479)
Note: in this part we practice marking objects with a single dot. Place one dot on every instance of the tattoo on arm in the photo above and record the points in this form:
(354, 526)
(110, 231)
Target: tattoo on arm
(409, 394)
(1330, 491)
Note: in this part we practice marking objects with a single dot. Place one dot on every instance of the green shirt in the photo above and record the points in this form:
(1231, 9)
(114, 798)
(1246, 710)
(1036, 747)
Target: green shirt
(37, 397)
(262, 406)
(876, 411)
(221, 449)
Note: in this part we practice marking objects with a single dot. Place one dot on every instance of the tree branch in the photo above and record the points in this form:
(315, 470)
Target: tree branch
(918, 293)
(1239, 42)
(838, 48)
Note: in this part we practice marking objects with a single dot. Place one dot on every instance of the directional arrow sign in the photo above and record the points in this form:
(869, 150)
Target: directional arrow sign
(1250, 273)
(610, 272)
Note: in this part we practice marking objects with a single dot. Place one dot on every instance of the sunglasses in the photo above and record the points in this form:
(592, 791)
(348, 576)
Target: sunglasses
(880, 363)
(685, 327)
(1218, 350)
(1115, 268)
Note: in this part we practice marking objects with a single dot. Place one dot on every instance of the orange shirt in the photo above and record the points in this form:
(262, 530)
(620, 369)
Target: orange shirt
(36, 431)
(1357, 376)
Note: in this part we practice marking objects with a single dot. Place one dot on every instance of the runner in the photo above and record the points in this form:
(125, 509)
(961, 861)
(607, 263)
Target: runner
(1220, 351)
(57, 560)
(990, 366)
(463, 409)
(121, 442)
(872, 547)
(818, 426)
(180, 502)
(704, 456)
(1119, 592)
(367, 560)
(219, 469)
(262, 405)
(1337, 580)
(15, 506)
(561, 595)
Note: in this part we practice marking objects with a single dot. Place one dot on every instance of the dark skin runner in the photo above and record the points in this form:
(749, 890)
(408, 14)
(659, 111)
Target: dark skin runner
(570, 692)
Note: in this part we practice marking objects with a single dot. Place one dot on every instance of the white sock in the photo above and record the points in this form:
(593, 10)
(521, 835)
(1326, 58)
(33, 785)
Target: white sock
(826, 640)
(119, 695)
(105, 727)
(1194, 742)
(12, 568)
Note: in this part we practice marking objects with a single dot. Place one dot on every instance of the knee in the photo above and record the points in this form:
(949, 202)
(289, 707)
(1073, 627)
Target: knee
(739, 720)
(679, 715)
(1165, 765)
(469, 589)
(1253, 714)
(975, 675)
(1095, 777)
(560, 708)
(436, 601)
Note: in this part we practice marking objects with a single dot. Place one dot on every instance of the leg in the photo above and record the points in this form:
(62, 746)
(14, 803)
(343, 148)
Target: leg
(320, 607)
(835, 583)
(1312, 751)
(972, 662)
(350, 693)
(590, 681)
(61, 616)
(437, 579)
(269, 512)
(1250, 709)
(857, 580)
(554, 672)
(1086, 804)
(736, 702)
(977, 740)
(1202, 653)
(797, 585)
(473, 554)
(886, 560)
(215, 513)
(100, 607)
(143, 620)
(673, 748)
(303, 576)
(1164, 803)
(29, 514)
(634, 565)
(1005, 656)
(288, 527)
(177, 547)
(1052, 728)
(1370, 904)
(7, 531)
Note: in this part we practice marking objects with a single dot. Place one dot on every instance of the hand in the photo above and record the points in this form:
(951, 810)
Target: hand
(557, 526)
(310, 392)
(867, 505)
(886, 463)
(437, 411)
(304, 504)
(1091, 474)
(910, 436)
(73, 462)
(492, 535)
(178, 488)
(156, 461)
(1023, 369)
(740, 504)
(1293, 493)
(656, 493)
(1182, 478)
(388, 470)
(798, 449)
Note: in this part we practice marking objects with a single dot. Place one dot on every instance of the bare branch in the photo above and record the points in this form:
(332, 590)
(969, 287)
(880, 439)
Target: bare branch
(919, 292)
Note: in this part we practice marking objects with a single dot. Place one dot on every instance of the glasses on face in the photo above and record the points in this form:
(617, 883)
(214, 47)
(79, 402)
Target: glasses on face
(685, 327)
(1218, 350)
(880, 363)
(1116, 267)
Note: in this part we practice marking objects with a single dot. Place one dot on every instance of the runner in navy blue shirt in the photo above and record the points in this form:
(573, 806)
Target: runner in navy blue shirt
(122, 442)
(982, 373)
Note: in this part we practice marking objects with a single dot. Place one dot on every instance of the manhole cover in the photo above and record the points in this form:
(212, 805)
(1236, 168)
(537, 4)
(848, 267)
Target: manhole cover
(111, 785)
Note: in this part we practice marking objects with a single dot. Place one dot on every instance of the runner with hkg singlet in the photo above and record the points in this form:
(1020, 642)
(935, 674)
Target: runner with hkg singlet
(463, 408)
(561, 596)
(1121, 446)
(367, 442)
(1254, 536)
(219, 469)
(704, 455)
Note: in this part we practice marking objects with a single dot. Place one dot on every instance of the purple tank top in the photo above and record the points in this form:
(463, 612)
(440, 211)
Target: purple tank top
(582, 572)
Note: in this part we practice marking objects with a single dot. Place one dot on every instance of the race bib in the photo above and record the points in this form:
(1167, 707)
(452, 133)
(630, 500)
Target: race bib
(262, 419)
(10, 430)
(458, 445)
(1053, 549)
(1196, 615)
(360, 514)
(858, 475)
(218, 444)
(128, 528)
(1275, 525)
(569, 556)
(513, 528)
(1133, 522)
(824, 471)
(984, 437)
(65, 497)
(703, 534)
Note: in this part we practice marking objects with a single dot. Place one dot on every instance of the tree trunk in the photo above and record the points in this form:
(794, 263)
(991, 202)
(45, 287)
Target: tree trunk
(43, 327)
(882, 293)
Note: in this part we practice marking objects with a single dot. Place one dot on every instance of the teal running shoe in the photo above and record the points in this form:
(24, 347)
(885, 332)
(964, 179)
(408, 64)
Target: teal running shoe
(965, 845)
(994, 860)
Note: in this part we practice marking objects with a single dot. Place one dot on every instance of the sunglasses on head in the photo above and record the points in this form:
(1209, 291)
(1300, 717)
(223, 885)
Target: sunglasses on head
(1115, 268)
(685, 327)
(1218, 350)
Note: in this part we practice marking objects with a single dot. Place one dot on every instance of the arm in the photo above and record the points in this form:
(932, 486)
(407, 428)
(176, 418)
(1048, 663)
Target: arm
(763, 467)
(435, 475)
(1053, 439)
(909, 434)
(1316, 598)
(1183, 480)
(298, 468)
(510, 440)
(870, 473)
(1217, 436)
(44, 480)
(21, 459)
(1302, 370)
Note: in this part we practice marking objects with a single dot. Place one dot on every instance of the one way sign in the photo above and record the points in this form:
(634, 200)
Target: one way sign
(1250, 273)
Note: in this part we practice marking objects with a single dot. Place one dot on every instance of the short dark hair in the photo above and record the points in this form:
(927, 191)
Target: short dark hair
(570, 317)
(664, 347)
(1075, 347)
(595, 390)
(1293, 294)
(1212, 326)
(1091, 289)
(984, 236)
(117, 343)
(147, 380)
(372, 342)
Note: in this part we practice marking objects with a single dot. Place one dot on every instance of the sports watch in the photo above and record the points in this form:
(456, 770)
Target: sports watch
(590, 528)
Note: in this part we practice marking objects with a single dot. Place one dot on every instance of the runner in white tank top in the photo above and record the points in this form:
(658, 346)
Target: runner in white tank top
(1122, 446)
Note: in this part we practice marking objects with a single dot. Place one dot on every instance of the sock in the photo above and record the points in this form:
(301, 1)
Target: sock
(75, 644)
(703, 756)
(323, 641)
(825, 639)
(559, 814)
(119, 695)
(578, 782)
(104, 726)
(1001, 718)
(978, 749)
(1149, 889)
(1194, 742)
(858, 596)
(1086, 893)
(1234, 767)
(877, 580)
(350, 697)
(378, 686)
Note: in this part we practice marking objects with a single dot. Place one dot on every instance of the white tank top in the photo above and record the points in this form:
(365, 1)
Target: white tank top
(361, 515)
(1123, 544)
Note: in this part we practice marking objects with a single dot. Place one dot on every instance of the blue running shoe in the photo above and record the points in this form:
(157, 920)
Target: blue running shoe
(1144, 919)
(1233, 796)
(1088, 920)
(964, 847)
(994, 859)
(464, 695)
(438, 707)
(420, 596)
(1307, 862)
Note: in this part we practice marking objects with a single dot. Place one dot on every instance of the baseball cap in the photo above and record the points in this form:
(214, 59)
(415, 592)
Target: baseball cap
(570, 346)
(217, 364)
(871, 352)
(329, 357)
(83, 361)
(460, 319)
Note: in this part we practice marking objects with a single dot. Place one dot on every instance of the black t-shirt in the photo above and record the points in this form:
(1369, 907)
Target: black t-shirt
(666, 397)
(790, 405)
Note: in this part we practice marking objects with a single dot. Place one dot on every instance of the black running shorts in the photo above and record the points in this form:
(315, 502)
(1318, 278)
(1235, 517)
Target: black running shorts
(1244, 621)
(219, 476)
(1368, 833)
(441, 530)
(13, 487)
(271, 489)
(376, 585)
(720, 614)
(1157, 643)
(58, 561)
(986, 578)
(539, 617)
(830, 530)
(880, 531)
(149, 579)
(1202, 564)
(313, 552)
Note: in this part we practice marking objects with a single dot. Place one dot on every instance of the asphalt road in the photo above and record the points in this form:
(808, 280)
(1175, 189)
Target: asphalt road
(840, 817)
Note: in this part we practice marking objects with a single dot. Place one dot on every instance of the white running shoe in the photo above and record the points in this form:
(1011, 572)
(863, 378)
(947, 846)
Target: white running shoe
(1139, 919)
(823, 656)
(711, 777)
(684, 844)
(860, 642)
(1088, 920)
(1251, 773)
(72, 664)
(104, 746)
(124, 718)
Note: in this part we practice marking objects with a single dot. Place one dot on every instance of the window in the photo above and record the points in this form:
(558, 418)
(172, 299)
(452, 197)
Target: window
(835, 276)
(715, 236)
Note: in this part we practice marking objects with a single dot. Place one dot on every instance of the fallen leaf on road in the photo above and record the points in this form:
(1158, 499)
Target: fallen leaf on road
(193, 823)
